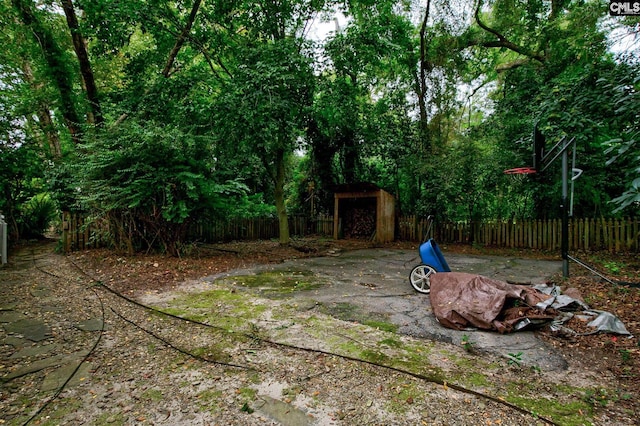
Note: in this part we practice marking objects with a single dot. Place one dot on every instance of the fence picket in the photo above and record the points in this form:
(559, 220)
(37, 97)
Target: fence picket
(585, 234)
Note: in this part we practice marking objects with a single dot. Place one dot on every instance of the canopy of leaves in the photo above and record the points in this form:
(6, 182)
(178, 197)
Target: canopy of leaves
(218, 108)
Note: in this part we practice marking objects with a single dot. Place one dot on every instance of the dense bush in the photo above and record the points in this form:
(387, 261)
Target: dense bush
(151, 183)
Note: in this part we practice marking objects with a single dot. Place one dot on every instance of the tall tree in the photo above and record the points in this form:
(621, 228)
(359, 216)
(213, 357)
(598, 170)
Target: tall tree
(370, 58)
(79, 46)
(266, 106)
(550, 59)
(59, 69)
(265, 102)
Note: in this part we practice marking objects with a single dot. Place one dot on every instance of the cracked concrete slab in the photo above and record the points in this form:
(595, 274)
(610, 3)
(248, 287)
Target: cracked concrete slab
(377, 282)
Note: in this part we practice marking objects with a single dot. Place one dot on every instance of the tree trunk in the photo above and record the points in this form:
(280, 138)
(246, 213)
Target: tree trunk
(349, 156)
(425, 67)
(57, 69)
(279, 181)
(83, 60)
(45, 122)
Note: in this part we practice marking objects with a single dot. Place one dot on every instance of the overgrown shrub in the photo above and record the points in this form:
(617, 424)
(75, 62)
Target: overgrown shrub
(36, 216)
(150, 183)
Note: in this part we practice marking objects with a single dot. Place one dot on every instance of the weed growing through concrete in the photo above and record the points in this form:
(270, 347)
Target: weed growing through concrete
(515, 359)
(467, 344)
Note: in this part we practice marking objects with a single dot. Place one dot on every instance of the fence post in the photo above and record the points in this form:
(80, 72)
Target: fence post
(3, 240)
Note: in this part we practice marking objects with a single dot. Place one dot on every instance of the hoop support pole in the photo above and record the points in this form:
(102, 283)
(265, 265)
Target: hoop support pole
(564, 245)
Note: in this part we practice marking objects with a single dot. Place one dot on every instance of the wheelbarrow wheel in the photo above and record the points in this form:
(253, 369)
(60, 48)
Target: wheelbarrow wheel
(420, 278)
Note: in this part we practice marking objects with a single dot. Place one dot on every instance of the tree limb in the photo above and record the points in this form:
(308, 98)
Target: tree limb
(209, 60)
(181, 38)
(56, 67)
(512, 65)
(502, 40)
(166, 72)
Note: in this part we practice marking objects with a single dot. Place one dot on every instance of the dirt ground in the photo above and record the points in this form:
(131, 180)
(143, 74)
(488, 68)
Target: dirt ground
(122, 383)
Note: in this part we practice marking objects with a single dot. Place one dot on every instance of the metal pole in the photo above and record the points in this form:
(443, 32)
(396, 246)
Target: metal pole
(565, 215)
(3, 240)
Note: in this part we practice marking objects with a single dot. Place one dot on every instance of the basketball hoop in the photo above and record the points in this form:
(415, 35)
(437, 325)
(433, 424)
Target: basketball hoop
(520, 171)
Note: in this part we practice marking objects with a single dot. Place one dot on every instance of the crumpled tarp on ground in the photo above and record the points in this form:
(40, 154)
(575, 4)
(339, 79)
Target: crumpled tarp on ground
(461, 300)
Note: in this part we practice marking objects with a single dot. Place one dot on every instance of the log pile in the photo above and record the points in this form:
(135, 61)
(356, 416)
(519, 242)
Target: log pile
(359, 223)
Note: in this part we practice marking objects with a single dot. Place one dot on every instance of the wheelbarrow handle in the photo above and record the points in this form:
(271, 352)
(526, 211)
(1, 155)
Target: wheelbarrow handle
(426, 235)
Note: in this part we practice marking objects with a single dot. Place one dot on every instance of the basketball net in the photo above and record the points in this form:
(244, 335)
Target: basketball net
(519, 173)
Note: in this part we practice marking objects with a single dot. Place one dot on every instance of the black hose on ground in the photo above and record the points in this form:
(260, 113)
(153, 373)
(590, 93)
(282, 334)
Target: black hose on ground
(431, 379)
(84, 359)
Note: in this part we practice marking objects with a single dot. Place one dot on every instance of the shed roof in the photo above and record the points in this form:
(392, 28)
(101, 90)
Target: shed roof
(356, 187)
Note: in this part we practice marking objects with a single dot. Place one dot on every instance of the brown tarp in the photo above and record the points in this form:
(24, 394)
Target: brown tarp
(461, 300)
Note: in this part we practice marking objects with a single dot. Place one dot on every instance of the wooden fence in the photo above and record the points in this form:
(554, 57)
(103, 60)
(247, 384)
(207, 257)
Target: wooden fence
(614, 235)
(80, 234)
(259, 229)
(75, 234)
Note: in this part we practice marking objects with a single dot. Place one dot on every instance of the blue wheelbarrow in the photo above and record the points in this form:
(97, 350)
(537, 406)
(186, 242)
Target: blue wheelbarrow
(432, 261)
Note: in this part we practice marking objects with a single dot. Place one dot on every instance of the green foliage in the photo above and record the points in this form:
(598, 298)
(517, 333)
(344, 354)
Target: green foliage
(515, 359)
(466, 342)
(154, 179)
(36, 216)
(20, 181)
(212, 122)
(267, 103)
(565, 99)
(624, 150)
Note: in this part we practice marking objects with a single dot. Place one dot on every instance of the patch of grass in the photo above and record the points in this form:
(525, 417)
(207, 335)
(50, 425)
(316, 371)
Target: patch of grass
(353, 313)
(476, 379)
(390, 342)
(209, 398)
(209, 299)
(222, 308)
(564, 405)
(403, 398)
(290, 394)
(614, 267)
(625, 355)
(599, 397)
(471, 371)
(247, 394)
(213, 352)
(278, 282)
(152, 395)
(343, 311)
(374, 356)
(572, 413)
(115, 419)
(381, 325)
(60, 410)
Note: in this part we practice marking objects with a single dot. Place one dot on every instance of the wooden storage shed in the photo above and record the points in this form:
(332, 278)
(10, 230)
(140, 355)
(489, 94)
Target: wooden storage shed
(362, 210)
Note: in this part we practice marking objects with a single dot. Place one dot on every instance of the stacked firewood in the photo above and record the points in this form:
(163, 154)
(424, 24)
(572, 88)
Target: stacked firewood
(359, 223)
